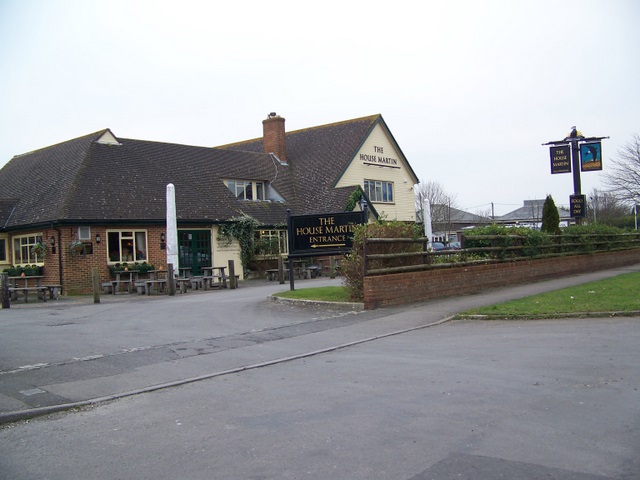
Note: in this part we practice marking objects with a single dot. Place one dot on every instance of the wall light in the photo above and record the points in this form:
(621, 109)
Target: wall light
(52, 241)
(98, 238)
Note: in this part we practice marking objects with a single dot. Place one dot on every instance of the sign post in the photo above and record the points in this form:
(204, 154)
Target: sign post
(580, 154)
(320, 235)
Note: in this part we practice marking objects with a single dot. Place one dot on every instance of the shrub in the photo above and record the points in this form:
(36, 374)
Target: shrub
(353, 264)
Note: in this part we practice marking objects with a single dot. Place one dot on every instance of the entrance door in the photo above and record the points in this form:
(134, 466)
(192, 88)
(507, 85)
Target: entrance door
(194, 250)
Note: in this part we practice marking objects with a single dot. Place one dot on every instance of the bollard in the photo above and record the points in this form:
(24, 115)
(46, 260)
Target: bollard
(95, 281)
(232, 275)
(4, 290)
(171, 280)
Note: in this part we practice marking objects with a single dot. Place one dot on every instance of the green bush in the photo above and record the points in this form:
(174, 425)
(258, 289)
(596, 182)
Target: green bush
(353, 265)
(28, 270)
(143, 267)
(591, 237)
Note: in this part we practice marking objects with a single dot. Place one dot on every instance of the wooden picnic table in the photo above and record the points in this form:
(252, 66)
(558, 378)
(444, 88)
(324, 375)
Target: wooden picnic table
(15, 287)
(214, 273)
(185, 272)
(127, 278)
(157, 281)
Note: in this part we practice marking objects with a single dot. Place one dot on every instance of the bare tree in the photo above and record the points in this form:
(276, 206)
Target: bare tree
(605, 208)
(442, 205)
(437, 196)
(623, 176)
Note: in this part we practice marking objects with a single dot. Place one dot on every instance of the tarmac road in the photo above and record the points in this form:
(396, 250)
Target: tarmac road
(263, 390)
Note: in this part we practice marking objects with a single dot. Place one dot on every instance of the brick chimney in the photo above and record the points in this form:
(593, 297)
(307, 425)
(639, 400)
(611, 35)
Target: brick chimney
(273, 139)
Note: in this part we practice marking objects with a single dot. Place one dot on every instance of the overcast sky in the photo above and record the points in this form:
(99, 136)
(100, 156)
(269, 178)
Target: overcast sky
(469, 89)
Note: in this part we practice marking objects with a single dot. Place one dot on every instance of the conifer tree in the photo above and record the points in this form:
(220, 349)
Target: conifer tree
(550, 217)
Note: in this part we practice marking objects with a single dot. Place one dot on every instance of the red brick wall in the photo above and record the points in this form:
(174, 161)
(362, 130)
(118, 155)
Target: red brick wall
(405, 288)
(77, 269)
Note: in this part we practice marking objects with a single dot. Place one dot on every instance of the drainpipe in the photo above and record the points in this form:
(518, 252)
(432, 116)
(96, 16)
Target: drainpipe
(62, 289)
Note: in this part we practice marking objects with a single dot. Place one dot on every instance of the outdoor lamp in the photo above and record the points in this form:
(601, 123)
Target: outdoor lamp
(52, 241)
(162, 237)
(98, 238)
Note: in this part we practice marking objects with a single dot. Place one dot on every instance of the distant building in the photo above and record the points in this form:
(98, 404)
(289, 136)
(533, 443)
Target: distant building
(530, 215)
(446, 221)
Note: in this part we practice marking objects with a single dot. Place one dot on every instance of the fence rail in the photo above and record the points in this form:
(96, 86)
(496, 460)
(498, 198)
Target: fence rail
(396, 255)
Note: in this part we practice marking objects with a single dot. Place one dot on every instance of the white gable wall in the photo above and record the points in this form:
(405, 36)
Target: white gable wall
(378, 159)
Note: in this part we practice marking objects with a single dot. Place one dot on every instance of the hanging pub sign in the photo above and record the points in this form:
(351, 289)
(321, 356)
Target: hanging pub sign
(329, 232)
(560, 159)
(578, 206)
(591, 156)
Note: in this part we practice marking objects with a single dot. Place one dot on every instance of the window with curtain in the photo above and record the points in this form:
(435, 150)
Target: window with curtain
(127, 246)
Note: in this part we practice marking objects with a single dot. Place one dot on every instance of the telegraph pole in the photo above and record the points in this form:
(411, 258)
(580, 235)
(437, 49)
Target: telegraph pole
(576, 153)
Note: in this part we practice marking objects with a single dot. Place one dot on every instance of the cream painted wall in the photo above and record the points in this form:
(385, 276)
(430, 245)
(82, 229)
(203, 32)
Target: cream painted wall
(4, 264)
(224, 251)
(108, 139)
(379, 160)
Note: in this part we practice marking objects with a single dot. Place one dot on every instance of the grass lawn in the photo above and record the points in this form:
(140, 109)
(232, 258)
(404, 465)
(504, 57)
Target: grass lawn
(617, 294)
(325, 294)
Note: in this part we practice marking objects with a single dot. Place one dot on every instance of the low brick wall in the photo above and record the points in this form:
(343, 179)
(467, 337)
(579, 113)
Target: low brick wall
(405, 288)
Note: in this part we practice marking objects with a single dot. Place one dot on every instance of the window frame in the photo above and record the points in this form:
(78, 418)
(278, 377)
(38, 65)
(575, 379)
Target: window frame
(135, 237)
(4, 250)
(273, 233)
(31, 240)
(84, 229)
(247, 190)
(379, 191)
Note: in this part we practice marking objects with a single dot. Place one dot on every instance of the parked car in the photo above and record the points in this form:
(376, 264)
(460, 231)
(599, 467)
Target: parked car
(455, 246)
(437, 246)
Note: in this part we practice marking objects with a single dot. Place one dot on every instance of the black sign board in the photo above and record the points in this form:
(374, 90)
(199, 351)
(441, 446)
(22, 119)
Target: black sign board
(560, 159)
(578, 206)
(319, 234)
(591, 156)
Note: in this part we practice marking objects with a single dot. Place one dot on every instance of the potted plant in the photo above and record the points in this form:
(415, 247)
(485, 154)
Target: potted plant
(76, 247)
(39, 249)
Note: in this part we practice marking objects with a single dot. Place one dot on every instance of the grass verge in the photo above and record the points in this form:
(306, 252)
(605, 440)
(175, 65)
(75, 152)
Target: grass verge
(618, 295)
(322, 294)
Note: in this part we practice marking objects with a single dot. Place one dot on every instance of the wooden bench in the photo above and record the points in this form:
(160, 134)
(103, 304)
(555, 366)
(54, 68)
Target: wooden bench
(312, 271)
(272, 274)
(196, 282)
(158, 285)
(183, 284)
(214, 281)
(108, 287)
(13, 291)
(141, 287)
(54, 291)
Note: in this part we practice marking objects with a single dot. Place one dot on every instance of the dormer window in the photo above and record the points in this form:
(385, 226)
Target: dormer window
(247, 189)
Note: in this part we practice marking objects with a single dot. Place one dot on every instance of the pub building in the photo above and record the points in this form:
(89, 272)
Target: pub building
(99, 200)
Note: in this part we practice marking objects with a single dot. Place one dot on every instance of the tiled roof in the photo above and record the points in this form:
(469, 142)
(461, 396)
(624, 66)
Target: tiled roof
(317, 156)
(81, 180)
(444, 213)
(41, 181)
(531, 211)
